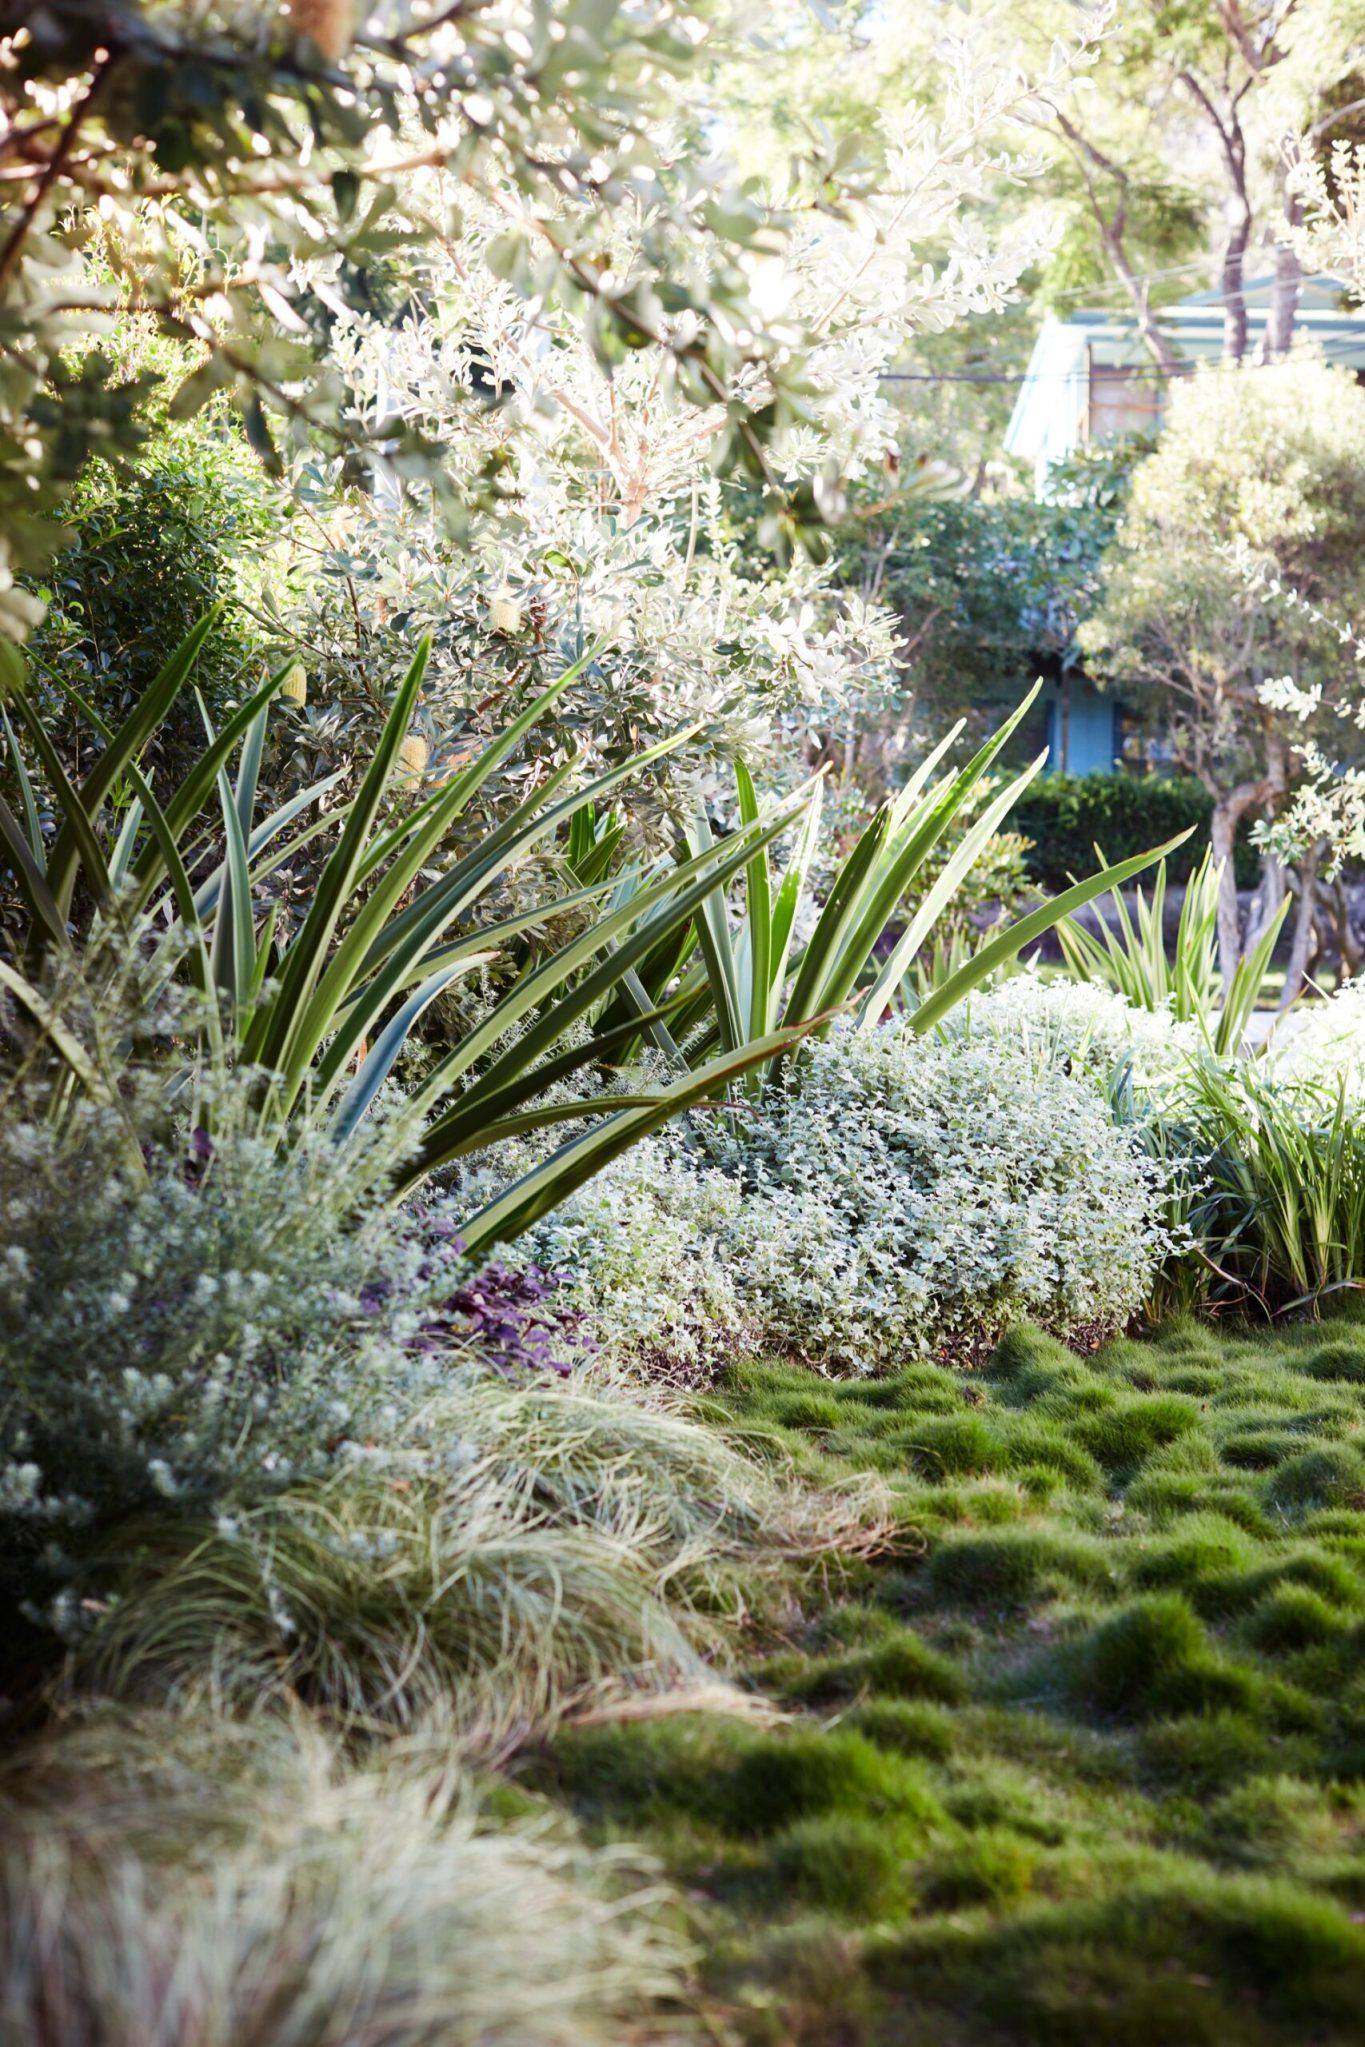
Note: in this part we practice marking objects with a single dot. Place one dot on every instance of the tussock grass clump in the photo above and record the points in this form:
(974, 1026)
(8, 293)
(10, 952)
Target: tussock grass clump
(994, 1867)
(512, 1548)
(1119, 1437)
(721, 1775)
(853, 1868)
(1342, 1357)
(1317, 1571)
(909, 1727)
(168, 1881)
(1272, 1821)
(1202, 1549)
(1197, 1752)
(1292, 1618)
(1329, 1475)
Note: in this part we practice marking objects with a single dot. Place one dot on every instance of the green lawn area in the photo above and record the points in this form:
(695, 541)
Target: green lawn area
(1085, 1761)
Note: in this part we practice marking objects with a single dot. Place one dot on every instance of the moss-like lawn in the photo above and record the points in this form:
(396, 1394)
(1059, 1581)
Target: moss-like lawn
(1085, 1762)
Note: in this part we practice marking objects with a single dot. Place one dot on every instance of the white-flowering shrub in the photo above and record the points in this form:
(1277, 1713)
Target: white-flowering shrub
(1086, 1027)
(1325, 1041)
(900, 1195)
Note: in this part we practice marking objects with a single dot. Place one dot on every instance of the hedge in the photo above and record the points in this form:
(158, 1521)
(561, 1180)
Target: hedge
(1066, 816)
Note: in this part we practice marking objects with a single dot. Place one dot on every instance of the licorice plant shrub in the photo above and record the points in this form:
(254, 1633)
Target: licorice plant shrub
(892, 1197)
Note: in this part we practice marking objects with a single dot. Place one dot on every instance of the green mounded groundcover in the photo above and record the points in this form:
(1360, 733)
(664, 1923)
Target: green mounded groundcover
(1085, 1762)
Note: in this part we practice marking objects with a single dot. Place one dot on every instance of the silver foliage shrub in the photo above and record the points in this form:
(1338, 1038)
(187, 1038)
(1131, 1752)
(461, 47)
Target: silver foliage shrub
(1087, 1027)
(940, 1190)
(183, 1318)
(897, 1196)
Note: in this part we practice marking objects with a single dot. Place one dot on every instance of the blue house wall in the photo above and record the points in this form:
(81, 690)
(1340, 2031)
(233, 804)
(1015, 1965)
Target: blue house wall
(1082, 729)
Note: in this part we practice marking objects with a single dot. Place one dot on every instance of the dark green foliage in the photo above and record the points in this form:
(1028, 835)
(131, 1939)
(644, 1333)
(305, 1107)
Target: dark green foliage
(147, 555)
(992, 589)
(1067, 816)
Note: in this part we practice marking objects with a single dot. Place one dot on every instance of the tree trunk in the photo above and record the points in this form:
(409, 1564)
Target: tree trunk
(1234, 283)
(1228, 811)
(1350, 950)
(1284, 296)
(1112, 226)
(1301, 946)
(1271, 891)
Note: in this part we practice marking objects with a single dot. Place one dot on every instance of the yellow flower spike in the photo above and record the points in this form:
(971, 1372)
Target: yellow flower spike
(413, 756)
(295, 684)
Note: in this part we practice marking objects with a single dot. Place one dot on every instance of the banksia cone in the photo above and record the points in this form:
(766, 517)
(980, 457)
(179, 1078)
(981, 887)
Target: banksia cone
(327, 23)
(413, 756)
(504, 613)
(295, 684)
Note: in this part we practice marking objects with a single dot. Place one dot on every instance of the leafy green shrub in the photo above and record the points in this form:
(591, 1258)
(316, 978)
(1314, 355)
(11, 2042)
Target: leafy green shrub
(146, 555)
(1086, 1027)
(324, 1008)
(1067, 816)
(940, 1190)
